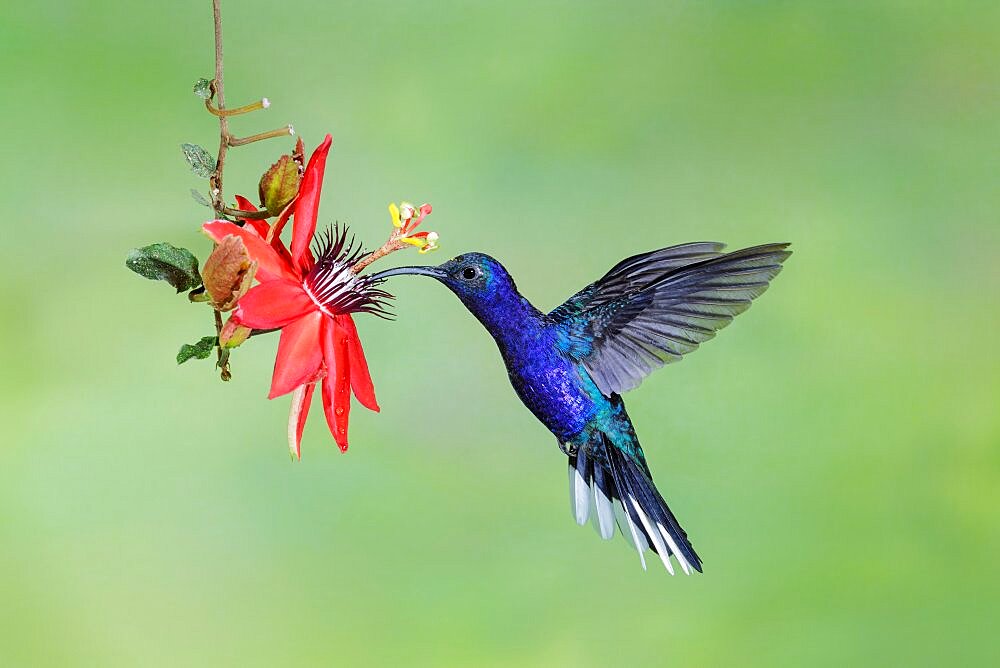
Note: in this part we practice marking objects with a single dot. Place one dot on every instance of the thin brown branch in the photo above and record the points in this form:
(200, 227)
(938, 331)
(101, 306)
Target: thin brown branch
(219, 93)
(215, 182)
(258, 332)
(227, 140)
(222, 356)
(263, 103)
(271, 134)
(249, 215)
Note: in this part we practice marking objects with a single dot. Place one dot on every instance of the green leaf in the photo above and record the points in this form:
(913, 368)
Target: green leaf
(200, 198)
(163, 262)
(200, 350)
(202, 164)
(203, 88)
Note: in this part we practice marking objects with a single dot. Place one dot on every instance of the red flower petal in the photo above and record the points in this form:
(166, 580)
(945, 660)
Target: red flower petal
(270, 234)
(259, 226)
(361, 379)
(308, 205)
(270, 266)
(274, 235)
(283, 217)
(299, 355)
(274, 304)
(337, 383)
(301, 400)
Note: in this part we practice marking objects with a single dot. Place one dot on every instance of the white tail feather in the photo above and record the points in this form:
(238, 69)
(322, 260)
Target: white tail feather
(603, 513)
(638, 540)
(661, 548)
(685, 566)
(581, 494)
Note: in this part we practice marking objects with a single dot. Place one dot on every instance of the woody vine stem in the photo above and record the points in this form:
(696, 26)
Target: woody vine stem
(217, 91)
(215, 182)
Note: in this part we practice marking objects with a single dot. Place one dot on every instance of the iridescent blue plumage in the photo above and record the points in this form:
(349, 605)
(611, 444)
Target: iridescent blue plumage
(570, 366)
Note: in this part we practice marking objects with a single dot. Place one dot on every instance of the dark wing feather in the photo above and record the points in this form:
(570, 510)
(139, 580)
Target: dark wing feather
(633, 273)
(647, 312)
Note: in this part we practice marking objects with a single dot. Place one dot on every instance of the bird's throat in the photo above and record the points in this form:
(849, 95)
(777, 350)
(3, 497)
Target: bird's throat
(512, 320)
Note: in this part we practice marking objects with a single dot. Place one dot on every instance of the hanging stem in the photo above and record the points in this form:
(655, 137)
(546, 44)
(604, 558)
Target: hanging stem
(215, 182)
(218, 89)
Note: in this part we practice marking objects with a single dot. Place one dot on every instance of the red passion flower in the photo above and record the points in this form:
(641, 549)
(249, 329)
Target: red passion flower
(309, 292)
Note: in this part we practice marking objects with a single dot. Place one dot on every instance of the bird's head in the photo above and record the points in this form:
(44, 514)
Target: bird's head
(476, 278)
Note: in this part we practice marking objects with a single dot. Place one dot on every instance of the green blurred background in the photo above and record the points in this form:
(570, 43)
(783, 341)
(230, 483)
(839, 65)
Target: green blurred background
(834, 454)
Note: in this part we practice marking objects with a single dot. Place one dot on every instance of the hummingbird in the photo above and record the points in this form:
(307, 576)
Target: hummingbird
(570, 366)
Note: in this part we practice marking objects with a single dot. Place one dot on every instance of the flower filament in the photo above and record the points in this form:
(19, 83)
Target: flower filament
(333, 286)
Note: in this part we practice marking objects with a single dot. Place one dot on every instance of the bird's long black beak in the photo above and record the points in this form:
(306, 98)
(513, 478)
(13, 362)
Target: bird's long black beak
(433, 272)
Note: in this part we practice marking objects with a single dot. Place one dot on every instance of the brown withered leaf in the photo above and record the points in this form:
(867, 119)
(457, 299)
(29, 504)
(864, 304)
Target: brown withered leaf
(228, 273)
(279, 185)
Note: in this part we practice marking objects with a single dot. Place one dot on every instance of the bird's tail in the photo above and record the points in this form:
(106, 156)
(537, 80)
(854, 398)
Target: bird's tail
(613, 489)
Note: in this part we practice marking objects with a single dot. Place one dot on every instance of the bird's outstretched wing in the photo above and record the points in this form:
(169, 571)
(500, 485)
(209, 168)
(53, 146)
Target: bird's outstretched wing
(652, 309)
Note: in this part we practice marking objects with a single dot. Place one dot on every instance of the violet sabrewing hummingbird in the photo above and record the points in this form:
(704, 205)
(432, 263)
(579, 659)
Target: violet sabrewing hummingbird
(571, 366)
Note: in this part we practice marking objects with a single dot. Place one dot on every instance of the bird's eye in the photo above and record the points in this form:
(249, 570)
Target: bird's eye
(469, 273)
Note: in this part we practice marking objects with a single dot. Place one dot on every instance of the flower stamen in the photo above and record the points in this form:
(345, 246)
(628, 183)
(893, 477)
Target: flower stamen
(332, 284)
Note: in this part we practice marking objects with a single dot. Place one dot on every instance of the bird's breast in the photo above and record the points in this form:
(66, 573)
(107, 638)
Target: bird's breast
(552, 387)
